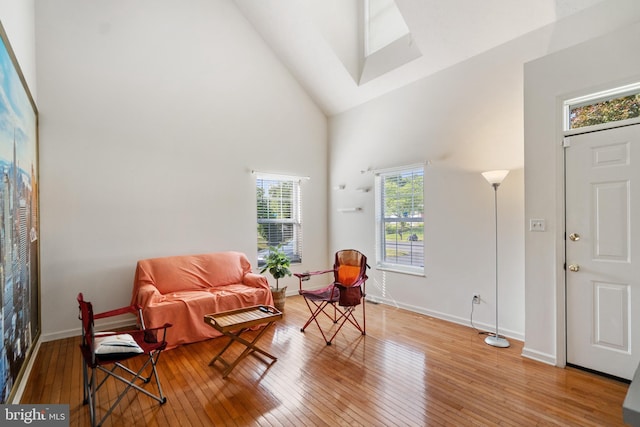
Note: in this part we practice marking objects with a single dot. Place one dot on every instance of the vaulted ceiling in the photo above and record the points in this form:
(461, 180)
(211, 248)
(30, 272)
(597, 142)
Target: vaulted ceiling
(319, 41)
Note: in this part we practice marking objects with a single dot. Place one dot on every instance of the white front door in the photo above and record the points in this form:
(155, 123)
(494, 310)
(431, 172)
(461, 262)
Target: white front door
(602, 249)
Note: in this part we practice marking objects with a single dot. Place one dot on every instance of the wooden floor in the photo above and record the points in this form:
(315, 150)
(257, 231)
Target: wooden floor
(409, 370)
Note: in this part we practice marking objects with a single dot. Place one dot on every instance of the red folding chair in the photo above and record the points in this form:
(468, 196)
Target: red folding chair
(338, 300)
(105, 353)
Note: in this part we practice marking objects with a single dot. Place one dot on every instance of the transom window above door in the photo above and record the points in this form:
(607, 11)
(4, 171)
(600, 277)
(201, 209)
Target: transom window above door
(615, 107)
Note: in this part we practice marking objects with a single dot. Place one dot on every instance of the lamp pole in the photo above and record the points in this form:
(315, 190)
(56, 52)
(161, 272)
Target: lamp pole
(495, 179)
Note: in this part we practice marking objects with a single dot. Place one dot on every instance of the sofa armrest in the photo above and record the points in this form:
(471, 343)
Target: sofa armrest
(146, 295)
(255, 280)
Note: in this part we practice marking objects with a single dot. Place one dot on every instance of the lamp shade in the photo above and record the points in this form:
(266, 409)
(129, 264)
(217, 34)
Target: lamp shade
(495, 177)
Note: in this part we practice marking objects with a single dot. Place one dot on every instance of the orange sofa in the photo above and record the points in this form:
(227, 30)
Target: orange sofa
(182, 289)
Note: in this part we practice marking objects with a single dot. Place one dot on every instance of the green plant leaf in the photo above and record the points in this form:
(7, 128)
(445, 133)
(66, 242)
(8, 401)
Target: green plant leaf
(277, 263)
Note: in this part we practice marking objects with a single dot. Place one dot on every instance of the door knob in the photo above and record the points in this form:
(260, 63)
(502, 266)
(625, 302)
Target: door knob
(574, 267)
(574, 237)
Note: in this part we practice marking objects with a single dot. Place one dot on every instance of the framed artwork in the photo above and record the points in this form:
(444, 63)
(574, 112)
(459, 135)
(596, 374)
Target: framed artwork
(19, 222)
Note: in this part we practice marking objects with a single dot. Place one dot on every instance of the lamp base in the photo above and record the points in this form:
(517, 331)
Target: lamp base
(496, 341)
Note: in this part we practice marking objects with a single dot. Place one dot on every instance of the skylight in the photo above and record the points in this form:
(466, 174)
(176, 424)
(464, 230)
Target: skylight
(384, 24)
(388, 43)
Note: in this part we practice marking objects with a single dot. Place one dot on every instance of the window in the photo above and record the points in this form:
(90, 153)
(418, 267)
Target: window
(400, 219)
(387, 42)
(384, 24)
(611, 106)
(279, 216)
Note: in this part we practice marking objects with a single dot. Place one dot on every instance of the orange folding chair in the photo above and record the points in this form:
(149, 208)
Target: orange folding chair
(105, 352)
(338, 300)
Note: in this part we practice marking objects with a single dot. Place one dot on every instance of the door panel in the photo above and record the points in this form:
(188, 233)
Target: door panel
(602, 278)
(611, 242)
(611, 322)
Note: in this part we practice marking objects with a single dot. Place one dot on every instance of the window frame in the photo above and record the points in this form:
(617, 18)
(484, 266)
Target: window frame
(295, 219)
(595, 98)
(381, 221)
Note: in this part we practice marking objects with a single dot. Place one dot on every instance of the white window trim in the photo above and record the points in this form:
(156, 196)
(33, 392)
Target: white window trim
(594, 98)
(380, 264)
(297, 207)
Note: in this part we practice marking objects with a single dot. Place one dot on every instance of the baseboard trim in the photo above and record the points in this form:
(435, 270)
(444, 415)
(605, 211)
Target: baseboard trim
(76, 332)
(443, 316)
(549, 359)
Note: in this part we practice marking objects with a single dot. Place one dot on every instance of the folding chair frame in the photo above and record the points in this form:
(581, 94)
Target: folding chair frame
(328, 298)
(111, 365)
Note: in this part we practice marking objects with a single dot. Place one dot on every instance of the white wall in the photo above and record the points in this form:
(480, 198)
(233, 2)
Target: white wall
(603, 63)
(144, 106)
(427, 121)
(152, 115)
(465, 120)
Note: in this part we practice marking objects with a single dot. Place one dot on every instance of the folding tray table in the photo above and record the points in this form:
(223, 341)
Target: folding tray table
(232, 323)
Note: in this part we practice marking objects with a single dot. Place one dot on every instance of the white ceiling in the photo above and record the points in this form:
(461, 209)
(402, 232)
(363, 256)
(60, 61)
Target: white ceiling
(318, 40)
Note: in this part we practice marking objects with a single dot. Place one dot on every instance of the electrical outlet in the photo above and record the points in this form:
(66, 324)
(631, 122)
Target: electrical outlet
(476, 298)
(537, 225)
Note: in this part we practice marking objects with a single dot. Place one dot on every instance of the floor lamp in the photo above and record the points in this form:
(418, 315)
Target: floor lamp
(495, 178)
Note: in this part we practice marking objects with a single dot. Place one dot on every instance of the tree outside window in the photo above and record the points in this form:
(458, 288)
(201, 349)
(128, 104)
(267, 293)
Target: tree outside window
(611, 110)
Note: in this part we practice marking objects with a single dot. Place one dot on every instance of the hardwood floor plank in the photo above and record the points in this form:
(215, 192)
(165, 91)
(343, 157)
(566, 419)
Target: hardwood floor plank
(409, 370)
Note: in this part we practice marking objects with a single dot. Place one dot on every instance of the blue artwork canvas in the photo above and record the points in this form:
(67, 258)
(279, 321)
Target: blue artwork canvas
(19, 230)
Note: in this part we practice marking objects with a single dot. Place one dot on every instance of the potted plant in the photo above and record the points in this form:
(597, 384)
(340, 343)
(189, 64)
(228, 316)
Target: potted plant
(277, 263)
